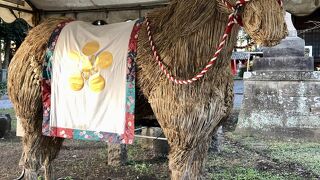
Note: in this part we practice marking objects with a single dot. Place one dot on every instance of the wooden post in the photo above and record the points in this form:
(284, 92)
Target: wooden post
(234, 67)
(5, 63)
(248, 63)
(117, 154)
(1, 59)
(6, 53)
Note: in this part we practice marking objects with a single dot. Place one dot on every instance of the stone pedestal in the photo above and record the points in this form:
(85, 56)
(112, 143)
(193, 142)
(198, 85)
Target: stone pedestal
(283, 91)
(160, 148)
(5, 124)
(216, 145)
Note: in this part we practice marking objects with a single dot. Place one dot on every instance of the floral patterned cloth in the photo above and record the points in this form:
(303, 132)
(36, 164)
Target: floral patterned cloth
(128, 135)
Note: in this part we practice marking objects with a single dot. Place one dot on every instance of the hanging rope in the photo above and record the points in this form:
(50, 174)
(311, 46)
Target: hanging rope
(233, 19)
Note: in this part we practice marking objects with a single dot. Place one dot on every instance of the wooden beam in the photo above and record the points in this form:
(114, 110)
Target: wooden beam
(107, 8)
(12, 12)
(34, 8)
(17, 2)
(16, 8)
(1, 55)
(36, 12)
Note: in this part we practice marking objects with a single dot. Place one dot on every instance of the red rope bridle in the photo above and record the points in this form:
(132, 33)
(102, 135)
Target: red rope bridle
(234, 18)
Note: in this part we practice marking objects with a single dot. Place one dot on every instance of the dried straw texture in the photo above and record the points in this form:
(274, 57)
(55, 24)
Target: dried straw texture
(186, 34)
(25, 93)
(264, 21)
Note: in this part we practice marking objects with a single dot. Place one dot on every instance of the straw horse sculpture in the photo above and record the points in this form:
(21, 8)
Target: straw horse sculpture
(186, 34)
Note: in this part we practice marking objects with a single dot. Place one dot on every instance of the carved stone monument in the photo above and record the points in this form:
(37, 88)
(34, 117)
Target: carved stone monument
(283, 91)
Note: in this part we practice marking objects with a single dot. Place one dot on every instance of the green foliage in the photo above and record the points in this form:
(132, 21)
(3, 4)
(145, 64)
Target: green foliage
(241, 173)
(68, 178)
(243, 162)
(142, 168)
(305, 153)
(14, 31)
(134, 151)
(243, 37)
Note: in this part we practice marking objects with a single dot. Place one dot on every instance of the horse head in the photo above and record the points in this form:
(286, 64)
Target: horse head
(264, 21)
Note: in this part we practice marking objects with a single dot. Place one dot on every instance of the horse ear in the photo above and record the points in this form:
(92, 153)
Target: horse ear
(222, 7)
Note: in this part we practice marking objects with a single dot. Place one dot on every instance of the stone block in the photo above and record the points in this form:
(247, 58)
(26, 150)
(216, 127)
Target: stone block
(297, 88)
(309, 134)
(5, 124)
(303, 122)
(159, 148)
(282, 92)
(284, 64)
(248, 86)
(291, 46)
(311, 76)
(282, 76)
(270, 103)
(315, 110)
(261, 119)
(217, 141)
(272, 76)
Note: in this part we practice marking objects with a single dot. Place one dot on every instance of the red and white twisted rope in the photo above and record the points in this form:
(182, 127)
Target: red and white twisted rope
(233, 19)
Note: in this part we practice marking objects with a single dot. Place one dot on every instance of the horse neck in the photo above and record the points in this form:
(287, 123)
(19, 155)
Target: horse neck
(188, 38)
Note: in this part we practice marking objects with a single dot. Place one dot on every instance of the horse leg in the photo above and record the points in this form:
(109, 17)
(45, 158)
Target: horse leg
(38, 150)
(188, 164)
(218, 137)
(188, 125)
(48, 170)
